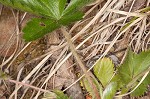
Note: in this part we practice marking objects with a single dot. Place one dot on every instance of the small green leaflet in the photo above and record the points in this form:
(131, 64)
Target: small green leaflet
(54, 13)
(103, 70)
(110, 91)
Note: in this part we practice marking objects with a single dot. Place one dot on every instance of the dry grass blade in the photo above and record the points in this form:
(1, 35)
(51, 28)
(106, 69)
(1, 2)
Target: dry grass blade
(31, 73)
(128, 13)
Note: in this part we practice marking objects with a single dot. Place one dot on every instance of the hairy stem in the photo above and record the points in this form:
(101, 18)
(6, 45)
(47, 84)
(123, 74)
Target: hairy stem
(73, 50)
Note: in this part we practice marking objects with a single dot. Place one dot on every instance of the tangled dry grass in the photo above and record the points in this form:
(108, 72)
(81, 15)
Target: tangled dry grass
(47, 63)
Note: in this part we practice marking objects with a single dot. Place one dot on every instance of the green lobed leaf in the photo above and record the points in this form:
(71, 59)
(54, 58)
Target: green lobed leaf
(56, 12)
(110, 91)
(104, 70)
(38, 27)
(129, 73)
(133, 65)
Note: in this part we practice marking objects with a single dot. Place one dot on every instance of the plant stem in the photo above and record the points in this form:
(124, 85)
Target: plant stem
(73, 50)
